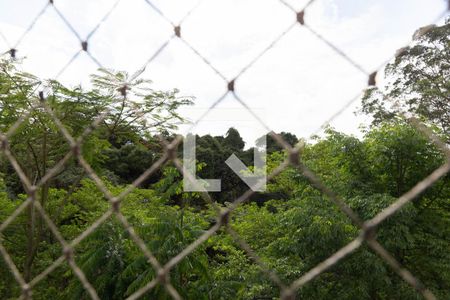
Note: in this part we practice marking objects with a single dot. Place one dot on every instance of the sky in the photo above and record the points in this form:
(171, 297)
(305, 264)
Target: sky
(296, 86)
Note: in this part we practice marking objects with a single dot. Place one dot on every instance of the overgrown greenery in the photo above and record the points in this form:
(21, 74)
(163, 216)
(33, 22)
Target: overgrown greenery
(418, 80)
(292, 227)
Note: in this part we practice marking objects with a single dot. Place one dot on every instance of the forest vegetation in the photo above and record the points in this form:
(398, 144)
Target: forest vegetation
(292, 226)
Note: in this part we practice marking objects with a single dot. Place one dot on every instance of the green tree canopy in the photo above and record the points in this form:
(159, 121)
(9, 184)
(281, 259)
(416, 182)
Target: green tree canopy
(418, 80)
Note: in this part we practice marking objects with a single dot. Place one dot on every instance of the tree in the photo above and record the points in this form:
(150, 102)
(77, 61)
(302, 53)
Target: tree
(419, 81)
(133, 111)
(234, 140)
(115, 265)
(213, 151)
(272, 145)
(399, 156)
(134, 108)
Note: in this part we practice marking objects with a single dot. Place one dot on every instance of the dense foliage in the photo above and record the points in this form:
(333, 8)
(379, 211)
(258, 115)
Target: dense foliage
(418, 80)
(292, 226)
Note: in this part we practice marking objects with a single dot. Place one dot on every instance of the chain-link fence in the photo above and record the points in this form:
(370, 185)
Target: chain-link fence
(367, 228)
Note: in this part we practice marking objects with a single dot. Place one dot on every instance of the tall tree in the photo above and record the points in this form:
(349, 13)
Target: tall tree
(419, 80)
(133, 112)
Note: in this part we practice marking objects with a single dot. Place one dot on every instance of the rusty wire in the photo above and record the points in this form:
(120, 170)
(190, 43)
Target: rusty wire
(288, 290)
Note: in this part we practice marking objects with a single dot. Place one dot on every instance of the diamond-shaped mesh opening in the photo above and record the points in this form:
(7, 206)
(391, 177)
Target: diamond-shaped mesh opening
(39, 41)
(131, 47)
(226, 26)
(317, 72)
(76, 71)
(172, 68)
(85, 15)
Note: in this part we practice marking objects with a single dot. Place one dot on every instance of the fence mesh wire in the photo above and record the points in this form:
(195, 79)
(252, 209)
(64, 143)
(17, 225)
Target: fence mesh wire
(288, 290)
